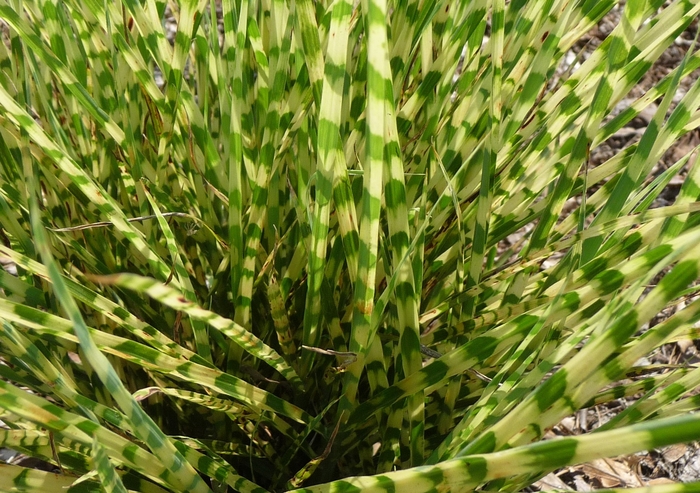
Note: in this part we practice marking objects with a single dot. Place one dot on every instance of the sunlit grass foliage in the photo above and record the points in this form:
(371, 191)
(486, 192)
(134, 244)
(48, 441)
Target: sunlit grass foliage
(277, 249)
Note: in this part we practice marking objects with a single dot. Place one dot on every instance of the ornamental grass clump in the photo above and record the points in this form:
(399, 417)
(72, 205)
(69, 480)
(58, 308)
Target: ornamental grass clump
(338, 245)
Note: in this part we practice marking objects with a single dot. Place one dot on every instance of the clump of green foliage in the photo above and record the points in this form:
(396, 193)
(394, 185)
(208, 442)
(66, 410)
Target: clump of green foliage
(286, 266)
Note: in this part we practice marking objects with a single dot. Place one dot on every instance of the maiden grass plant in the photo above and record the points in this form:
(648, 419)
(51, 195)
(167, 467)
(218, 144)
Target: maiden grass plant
(292, 263)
